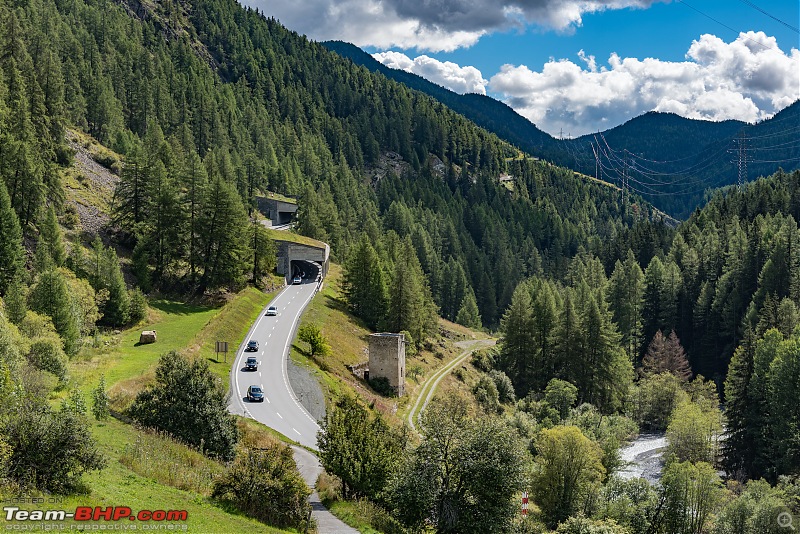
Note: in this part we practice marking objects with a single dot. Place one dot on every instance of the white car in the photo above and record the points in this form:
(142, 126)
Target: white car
(272, 310)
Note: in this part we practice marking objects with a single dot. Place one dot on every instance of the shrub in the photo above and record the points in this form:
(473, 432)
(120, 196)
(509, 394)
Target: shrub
(484, 359)
(190, 403)
(100, 401)
(486, 394)
(266, 485)
(505, 389)
(46, 354)
(49, 450)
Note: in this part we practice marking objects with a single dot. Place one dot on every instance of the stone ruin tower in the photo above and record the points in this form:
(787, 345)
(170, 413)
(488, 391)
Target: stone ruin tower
(387, 359)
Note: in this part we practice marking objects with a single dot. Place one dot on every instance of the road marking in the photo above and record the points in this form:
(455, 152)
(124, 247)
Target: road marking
(268, 402)
(298, 433)
(262, 352)
(259, 373)
(279, 415)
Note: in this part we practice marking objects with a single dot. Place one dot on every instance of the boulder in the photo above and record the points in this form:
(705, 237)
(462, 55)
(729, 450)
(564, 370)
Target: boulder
(147, 336)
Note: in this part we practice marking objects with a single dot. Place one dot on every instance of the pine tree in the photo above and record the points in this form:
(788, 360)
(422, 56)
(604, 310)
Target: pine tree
(116, 311)
(263, 252)
(567, 337)
(100, 400)
(195, 182)
(653, 308)
(737, 446)
(223, 242)
(602, 371)
(15, 301)
(544, 321)
(12, 255)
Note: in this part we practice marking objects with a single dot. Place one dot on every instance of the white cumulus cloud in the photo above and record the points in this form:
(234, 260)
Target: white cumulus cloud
(434, 25)
(748, 79)
(445, 73)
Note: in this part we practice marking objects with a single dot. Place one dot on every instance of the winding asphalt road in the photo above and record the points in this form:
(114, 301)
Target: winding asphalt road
(281, 410)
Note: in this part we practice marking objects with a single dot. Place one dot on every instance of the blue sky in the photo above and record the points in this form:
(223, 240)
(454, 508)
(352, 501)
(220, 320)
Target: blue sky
(663, 31)
(637, 55)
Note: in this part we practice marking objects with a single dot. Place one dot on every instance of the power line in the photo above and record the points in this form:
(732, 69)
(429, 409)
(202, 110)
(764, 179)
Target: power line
(773, 17)
(762, 45)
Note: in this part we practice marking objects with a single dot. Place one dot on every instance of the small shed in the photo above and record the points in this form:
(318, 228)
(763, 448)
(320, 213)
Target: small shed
(147, 336)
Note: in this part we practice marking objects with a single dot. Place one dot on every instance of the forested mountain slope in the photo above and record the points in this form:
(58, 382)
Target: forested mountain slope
(484, 111)
(671, 161)
(210, 100)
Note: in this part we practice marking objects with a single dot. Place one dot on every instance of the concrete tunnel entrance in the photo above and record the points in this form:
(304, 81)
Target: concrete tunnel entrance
(292, 257)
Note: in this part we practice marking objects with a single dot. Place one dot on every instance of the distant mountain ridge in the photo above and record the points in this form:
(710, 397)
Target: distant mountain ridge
(672, 161)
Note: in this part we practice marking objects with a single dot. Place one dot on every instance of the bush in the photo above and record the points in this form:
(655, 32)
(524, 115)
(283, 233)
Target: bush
(311, 334)
(505, 389)
(190, 403)
(484, 359)
(46, 354)
(49, 450)
(486, 394)
(71, 220)
(266, 485)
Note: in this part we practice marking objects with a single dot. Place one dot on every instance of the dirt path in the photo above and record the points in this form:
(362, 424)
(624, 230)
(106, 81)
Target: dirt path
(429, 387)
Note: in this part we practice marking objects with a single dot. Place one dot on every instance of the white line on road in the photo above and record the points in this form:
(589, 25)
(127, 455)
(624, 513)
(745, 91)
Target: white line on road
(279, 415)
(298, 433)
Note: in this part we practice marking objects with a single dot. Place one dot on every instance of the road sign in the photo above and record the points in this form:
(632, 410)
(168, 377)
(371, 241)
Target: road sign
(222, 346)
(524, 504)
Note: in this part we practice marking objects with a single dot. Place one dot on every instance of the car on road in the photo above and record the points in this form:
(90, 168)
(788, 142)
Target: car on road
(272, 310)
(251, 364)
(255, 394)
(252, 346)
(297, 280)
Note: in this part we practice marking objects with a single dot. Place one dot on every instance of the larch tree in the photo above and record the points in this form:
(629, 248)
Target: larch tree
(468, 314)
(518, 342)
(364, 285)
(626, 297)
(51, 236)
(410, 304)
(666, 355)
(12, 255)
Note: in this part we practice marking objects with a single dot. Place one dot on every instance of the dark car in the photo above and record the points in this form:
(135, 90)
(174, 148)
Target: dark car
(255, 394)
(251, 364)
(252, 345)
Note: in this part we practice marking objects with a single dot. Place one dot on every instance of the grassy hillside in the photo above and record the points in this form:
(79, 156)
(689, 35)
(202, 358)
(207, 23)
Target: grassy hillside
(348, 338)
(146, 470)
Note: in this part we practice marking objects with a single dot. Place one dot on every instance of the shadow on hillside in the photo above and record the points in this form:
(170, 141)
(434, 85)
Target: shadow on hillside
(177, 308)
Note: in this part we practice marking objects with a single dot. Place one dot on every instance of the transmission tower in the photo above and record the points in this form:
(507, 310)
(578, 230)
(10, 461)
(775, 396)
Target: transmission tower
(741, 160)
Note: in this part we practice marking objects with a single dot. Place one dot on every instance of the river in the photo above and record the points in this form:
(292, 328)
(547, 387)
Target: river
(644, 457)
